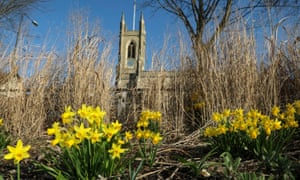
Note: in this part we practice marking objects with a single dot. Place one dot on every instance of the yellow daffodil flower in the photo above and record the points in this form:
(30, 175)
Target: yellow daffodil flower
(54, 130)
(121, 142)
(147, 134)
(276, 125)
(253, 132)
(239, 112)
(57, 139)
(139, 134)
(68, 115)
(209, 132)
(142, 123)
(70, 140)
(81, 132)
(268, 131)
(150, 115)
(128, 136)
(222, 129)
(226, 113)
(84, 111)
(109, 131)
(95, 136)
(275, 111)
(156, 138)
(97, 115)
(18, 153)
(290, 110)
(116, 125)
(217, 117)
(116, 151)
(297, 106)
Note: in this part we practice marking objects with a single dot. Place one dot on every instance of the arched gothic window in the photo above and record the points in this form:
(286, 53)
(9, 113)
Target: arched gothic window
(131, 50)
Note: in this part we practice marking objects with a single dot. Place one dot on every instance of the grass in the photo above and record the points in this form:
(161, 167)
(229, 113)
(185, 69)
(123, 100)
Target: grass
(230, 75)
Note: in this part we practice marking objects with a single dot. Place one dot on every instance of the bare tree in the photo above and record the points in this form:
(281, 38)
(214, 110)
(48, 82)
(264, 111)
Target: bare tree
(204, 20)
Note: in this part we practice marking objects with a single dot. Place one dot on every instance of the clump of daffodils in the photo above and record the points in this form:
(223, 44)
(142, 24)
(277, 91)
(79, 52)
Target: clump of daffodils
(148, 127)
(148, 135)
(90, 146)
(87, 123)
(253, 122)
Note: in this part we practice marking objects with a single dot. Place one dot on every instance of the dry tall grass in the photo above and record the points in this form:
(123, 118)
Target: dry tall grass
(229, 75)
(83, 76)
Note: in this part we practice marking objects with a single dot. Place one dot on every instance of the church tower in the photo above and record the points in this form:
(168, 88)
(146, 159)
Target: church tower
(132, 46)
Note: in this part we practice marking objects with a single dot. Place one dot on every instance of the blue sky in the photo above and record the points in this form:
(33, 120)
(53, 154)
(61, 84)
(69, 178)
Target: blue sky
(53, 21)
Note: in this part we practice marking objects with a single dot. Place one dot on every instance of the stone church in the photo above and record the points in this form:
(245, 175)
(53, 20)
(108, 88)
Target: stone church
(133, 82)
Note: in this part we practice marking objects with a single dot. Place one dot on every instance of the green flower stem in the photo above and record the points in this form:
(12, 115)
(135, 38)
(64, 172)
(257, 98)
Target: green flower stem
(153, 154)
(90, 156)
(18, 171)
(112, 166)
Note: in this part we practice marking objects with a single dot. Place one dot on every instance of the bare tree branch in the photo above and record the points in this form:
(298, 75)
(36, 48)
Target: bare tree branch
(222, 24)
(198, 16)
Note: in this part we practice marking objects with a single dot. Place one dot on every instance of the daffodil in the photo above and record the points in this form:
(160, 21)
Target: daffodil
(253, 132)
(128, 136)
(116, 151)
(292, 124)
(18, 153)
(81, 132)
(222, 129)
(84, 111)
(290, 110)
(121, 142)
(68, 115)
(116, 125)
(57, 139)
(156, 138)
(254, 114)
(297, 106)
(239, 112)
(142, 123)
(97, 115)
(217, 117)
(95, 136)
(1, 121)
(226, 113)
(268, 131)
(150, 115)
(147, 134)
(139, 134)
(54, 130)
(70, 140)
(275, 111)
(277, 124)
(109, 131)
(209, 131)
